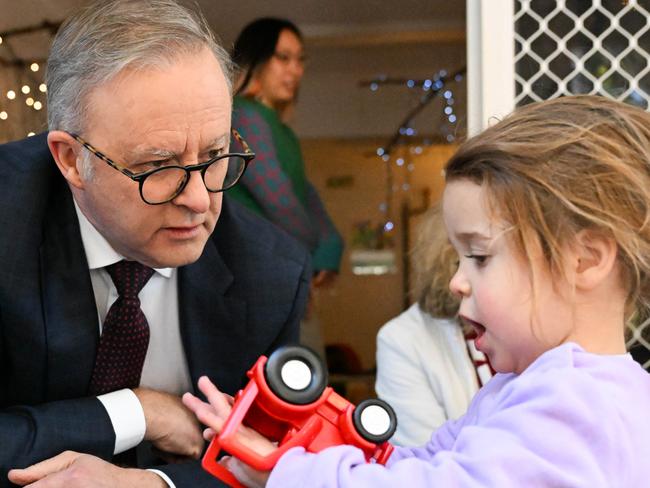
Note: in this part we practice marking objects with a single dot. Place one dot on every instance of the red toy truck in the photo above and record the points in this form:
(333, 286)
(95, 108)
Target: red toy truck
(287, 400)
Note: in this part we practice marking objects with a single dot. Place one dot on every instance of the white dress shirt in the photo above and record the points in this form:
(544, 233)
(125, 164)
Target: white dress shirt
(165, 366)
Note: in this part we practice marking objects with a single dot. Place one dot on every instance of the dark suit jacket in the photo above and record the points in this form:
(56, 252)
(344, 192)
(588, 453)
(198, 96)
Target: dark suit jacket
(242, 298)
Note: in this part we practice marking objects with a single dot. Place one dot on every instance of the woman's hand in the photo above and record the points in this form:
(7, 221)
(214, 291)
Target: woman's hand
(214, 414)
(324, 278)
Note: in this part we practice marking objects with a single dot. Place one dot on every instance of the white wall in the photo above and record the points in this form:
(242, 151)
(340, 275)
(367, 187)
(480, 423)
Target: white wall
(333, 105)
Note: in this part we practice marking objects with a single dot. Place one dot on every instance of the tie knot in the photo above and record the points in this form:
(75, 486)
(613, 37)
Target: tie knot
(129, 277)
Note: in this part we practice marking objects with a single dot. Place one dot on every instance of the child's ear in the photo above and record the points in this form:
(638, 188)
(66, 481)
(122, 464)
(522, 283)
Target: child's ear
(64, 150)
(594, 258)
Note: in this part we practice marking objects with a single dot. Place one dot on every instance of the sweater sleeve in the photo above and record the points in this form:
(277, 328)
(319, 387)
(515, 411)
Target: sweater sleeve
(548, 432)
(268, 183)
(327, 255)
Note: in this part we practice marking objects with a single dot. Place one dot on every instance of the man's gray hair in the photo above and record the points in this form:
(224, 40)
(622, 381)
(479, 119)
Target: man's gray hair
(96, 44)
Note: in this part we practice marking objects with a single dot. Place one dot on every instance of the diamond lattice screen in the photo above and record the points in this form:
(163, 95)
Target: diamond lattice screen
(585, 46)
(582, 46)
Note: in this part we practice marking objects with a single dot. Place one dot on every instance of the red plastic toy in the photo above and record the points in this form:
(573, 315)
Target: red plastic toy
(288, 401)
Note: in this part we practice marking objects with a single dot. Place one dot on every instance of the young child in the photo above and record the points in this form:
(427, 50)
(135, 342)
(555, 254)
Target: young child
(549, 211)
(428, 369)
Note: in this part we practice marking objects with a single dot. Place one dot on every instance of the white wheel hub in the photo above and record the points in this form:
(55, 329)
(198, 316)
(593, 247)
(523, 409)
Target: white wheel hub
(375, 420)
(296, 374)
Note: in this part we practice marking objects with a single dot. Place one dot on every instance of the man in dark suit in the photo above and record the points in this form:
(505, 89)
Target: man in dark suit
(130, 177)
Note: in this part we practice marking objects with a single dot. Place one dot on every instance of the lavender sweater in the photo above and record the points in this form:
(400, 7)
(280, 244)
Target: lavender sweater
(572, 419)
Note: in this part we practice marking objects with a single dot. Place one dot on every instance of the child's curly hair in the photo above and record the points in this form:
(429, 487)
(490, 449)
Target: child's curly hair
(435, 262)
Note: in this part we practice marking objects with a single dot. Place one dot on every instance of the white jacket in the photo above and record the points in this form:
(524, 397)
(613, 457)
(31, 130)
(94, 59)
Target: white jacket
(424, 372)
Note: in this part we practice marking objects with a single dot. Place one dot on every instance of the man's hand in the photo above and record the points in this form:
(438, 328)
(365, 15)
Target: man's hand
(171, 427)
(73, 470)
(214, 415)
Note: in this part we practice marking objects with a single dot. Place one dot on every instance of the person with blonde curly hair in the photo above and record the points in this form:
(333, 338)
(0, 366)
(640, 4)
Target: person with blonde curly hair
(424, 360)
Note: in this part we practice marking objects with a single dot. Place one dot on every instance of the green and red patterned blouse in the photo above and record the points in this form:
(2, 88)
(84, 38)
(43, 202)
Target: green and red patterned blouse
(276, 187)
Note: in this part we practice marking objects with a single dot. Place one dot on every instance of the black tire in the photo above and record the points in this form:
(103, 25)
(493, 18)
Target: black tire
(312, 378)
(386, 425)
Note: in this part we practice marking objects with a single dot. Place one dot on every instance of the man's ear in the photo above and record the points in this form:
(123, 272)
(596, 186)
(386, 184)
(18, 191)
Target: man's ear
(594, 258)
(65, 151)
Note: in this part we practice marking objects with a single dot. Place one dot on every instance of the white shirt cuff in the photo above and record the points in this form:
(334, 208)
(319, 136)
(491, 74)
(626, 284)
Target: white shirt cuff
(127, 417)
(164, 477)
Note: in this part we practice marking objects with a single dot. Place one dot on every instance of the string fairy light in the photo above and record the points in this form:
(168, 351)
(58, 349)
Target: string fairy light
(440, 84)
(33, 85)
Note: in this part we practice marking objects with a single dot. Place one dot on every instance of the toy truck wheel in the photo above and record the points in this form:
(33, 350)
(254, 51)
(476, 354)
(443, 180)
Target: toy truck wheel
(375, 420)
(296, 375)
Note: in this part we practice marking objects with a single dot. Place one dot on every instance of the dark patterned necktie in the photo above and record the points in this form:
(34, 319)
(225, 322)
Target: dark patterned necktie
(125, 335)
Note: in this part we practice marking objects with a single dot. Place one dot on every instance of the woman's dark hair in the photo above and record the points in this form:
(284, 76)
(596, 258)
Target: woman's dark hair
(256, 44)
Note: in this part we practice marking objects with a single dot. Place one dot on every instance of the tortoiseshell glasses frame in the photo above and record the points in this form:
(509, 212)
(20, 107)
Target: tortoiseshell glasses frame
(167, 182)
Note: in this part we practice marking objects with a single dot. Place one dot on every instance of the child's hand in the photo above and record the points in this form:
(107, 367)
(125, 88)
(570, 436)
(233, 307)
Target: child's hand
(214, 415)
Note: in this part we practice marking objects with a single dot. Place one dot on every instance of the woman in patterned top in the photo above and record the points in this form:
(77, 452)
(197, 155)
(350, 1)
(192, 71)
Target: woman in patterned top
(270, 54)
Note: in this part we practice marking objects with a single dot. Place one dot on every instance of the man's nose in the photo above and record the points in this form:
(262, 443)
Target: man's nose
(195, 195)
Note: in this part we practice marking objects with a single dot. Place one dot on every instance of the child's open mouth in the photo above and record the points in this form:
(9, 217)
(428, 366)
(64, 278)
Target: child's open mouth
(477, 329)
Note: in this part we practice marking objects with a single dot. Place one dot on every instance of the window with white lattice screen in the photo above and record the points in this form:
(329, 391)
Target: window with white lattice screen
(582, 46)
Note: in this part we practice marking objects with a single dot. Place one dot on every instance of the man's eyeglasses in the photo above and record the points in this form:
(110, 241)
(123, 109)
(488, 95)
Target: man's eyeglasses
(163, 184)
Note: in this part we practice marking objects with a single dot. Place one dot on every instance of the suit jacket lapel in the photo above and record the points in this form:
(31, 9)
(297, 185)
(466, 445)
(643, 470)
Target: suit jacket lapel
(70, 314)
(213, 325)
